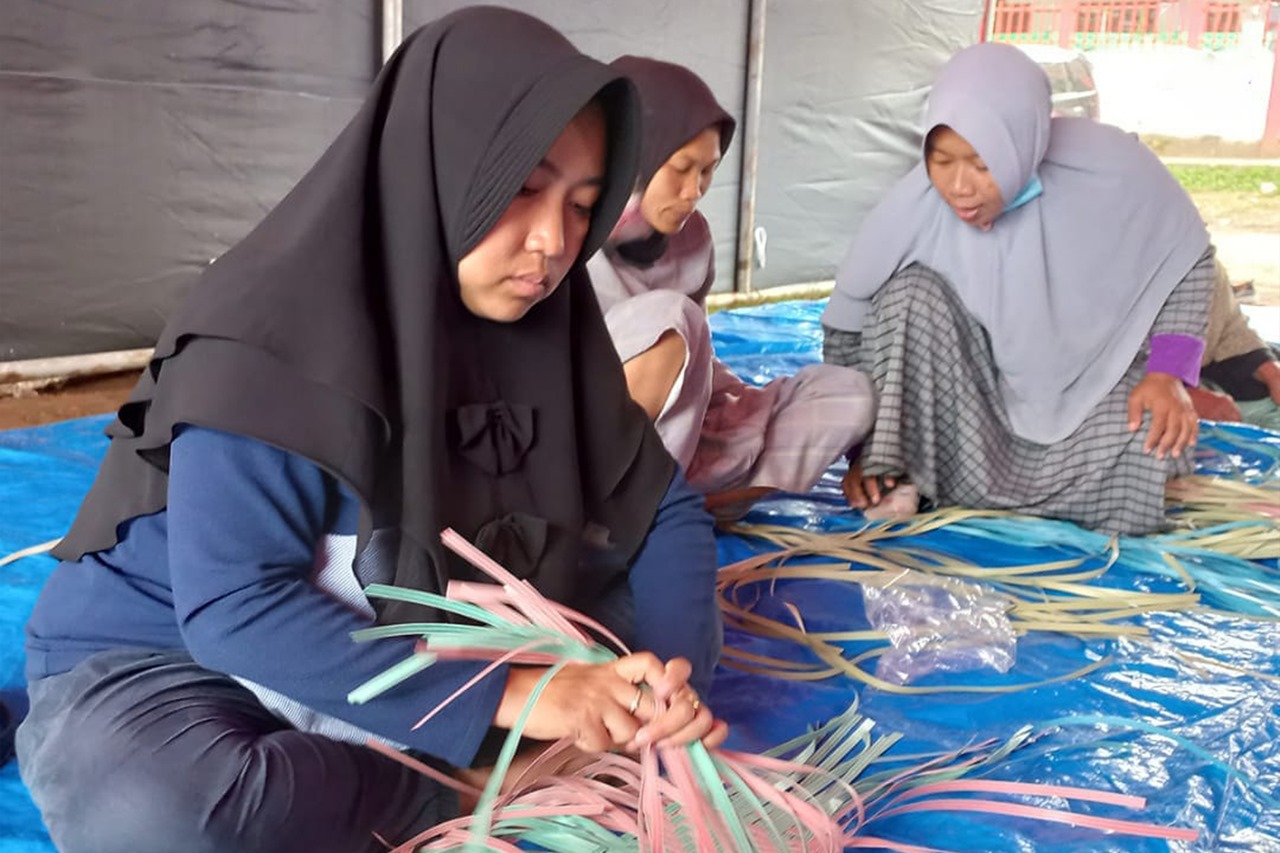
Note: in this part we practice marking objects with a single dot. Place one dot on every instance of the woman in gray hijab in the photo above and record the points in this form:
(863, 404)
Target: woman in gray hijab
(1031, 301)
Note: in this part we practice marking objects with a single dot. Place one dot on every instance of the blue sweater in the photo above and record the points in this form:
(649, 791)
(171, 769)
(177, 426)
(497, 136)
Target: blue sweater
(224, 572)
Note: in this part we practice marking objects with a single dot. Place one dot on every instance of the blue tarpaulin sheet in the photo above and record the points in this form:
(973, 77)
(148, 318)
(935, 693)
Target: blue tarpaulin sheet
(1187, 717)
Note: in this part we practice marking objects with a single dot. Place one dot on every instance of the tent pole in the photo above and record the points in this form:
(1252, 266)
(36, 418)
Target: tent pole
(392, 26)
(42, 370)
(750, 148)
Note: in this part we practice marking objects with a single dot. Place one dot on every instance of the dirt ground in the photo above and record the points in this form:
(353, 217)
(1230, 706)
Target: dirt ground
(1240, 211)
(1202, 147)
(73, 400)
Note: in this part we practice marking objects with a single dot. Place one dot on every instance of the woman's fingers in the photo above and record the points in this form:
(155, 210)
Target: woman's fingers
(871, 486)
(1173, 434)
(610, 729)
(698, 723)
(628, 703)
(1158, 435)
(675, 677)
(1179, 423)
(683, 719)
(1174, 424)
(672, 711)
(1136, 407)
(640, 668)
(599, 705)
(864, 492)
(719, 732)
(851, 485)
(1187, 435)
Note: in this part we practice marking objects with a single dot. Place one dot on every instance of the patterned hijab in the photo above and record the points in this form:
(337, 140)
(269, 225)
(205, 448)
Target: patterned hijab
(336, 331)
(1068, 284)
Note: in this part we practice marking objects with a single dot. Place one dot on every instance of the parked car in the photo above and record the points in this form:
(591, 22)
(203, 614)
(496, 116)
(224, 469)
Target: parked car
(1071, 75)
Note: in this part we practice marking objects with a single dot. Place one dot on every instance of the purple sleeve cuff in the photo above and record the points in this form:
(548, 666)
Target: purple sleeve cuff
(1178, 355)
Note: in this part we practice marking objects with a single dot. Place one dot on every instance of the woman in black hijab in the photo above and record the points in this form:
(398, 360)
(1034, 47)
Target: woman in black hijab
(406, 343)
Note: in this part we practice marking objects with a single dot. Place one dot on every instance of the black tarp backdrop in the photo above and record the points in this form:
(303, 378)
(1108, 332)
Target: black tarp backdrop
(140, 138)
(844, 88)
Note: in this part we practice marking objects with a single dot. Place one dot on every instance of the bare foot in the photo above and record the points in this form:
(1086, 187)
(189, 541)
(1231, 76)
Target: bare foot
(901, 503)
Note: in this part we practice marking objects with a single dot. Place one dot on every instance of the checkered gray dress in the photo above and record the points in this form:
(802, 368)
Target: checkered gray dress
(941, 422)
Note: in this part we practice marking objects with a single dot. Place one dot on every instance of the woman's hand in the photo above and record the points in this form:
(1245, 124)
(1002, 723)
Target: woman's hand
(1268, 373)
(1173, 418)
(624, 704)
(863, 492)
(1214, 405)
(673, 712)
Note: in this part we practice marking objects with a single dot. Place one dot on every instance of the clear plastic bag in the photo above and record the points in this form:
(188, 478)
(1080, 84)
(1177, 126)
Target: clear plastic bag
(939, 625)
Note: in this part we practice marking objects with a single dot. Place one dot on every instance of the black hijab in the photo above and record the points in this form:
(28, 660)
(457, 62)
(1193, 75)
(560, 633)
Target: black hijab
(677, 105)
(335, 330)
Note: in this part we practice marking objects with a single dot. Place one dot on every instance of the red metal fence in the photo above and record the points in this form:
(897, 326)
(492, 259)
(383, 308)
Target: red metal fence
(1085, 24)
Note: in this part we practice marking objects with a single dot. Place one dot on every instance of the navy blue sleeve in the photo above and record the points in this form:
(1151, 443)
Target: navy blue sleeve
(673, 585)
(245, 522)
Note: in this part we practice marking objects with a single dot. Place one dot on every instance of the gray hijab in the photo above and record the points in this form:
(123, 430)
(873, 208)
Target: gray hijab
(1067, 285)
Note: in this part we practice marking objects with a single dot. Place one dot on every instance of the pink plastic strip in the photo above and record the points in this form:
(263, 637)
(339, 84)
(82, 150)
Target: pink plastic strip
(523, 594)
(425, 769)
(990, 786)
(472, 682)
(1123, 827)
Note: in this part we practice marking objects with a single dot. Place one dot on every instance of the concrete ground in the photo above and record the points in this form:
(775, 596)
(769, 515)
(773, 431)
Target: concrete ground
(1213, 100)
(1265, 320)
(1256, 256)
